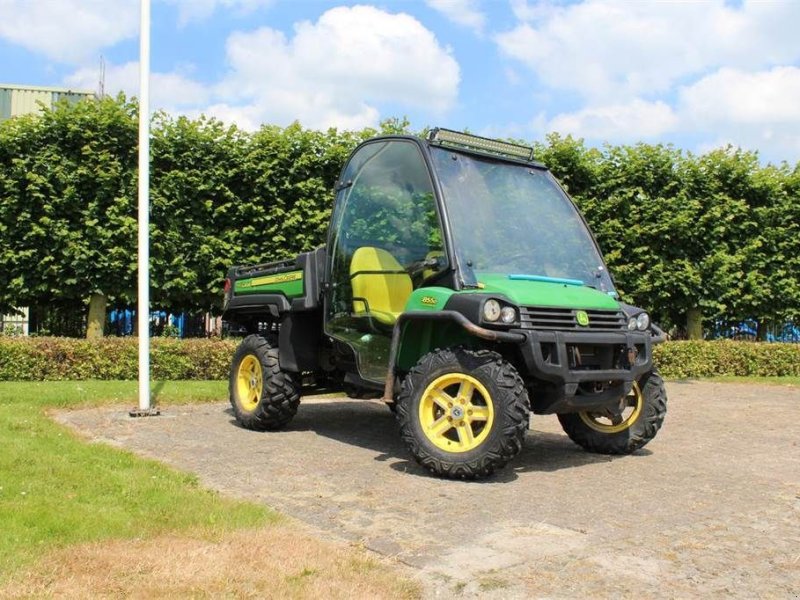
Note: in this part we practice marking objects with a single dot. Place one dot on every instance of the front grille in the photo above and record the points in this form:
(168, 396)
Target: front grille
(540, 317)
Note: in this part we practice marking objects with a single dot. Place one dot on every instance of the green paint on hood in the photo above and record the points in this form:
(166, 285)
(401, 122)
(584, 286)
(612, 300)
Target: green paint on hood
(545, 293)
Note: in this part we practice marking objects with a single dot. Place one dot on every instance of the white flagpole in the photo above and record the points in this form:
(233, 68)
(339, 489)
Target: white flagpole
(143, 310)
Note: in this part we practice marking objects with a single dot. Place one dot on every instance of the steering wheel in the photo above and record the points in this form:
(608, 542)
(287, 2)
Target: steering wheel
(418, 266)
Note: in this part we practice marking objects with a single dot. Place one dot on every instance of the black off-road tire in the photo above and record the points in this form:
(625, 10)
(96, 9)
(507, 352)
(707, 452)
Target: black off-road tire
(637, 434)
(511, 412)
(280, 390)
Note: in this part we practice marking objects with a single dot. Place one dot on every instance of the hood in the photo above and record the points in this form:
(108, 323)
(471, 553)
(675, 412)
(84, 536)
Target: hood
(555, 293)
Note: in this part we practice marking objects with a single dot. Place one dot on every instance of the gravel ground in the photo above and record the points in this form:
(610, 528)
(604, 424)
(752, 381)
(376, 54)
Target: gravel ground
(710, 508)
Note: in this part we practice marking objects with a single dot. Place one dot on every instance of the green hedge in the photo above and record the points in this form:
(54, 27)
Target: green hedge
(678, 360)
(26, 359)
(49, 358)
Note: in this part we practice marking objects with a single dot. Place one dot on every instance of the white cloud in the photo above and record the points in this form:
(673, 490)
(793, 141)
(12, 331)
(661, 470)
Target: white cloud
(69, 31)
(758, 110)
(541, 9)
(632, 121)
(754, 110)
(334, 71)
(462, 12)
(716, 70)
(609, 49)
(75, 31)
(199, 10)
(245, 117)
(731, 95)
(169, 91)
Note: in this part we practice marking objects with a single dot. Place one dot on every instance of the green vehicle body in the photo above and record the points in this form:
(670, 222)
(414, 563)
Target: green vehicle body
(332, 315)
(521, 293)
(289, 284)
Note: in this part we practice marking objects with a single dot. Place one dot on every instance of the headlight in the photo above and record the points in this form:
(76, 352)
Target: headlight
(508, 315)
(632, 324)
(491, 310)
(642, 321)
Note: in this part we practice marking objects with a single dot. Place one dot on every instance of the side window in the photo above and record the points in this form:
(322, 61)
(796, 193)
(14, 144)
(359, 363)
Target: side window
(385, 241)
(389, 205)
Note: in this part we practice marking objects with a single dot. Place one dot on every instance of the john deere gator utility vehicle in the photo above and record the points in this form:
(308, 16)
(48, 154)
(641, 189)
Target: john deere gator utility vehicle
(461, 282)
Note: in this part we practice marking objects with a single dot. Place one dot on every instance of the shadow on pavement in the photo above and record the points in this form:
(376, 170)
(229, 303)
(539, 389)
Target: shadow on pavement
(372, 426)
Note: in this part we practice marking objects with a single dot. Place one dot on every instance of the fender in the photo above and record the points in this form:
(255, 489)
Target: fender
(444, 315)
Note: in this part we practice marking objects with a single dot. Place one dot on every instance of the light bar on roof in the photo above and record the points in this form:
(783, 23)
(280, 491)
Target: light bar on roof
(447, 137)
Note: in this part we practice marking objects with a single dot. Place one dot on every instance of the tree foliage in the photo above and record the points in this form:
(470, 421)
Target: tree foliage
(67, 216)
(717, 235)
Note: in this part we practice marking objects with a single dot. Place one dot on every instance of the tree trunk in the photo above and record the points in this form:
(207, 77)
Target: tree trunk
(694, 324)
(97, 317)
(37, 319)
(761, 332)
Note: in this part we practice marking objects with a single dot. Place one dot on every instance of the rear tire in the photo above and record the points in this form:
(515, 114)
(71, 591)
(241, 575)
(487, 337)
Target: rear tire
(590, 430)
(463, 413)
(263, 397)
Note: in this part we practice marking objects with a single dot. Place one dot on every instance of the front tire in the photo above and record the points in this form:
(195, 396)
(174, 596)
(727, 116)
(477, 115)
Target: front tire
(646, 407)
(463, 413)
(263, 397)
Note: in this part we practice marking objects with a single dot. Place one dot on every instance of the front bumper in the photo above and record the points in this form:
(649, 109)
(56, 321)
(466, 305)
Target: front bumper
(582, 370)
(567, 371)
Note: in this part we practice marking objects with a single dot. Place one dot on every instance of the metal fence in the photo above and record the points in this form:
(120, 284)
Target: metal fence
(15, 324)
(122, 322)
(748, 331)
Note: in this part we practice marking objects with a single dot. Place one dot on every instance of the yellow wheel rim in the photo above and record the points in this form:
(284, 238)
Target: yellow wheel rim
(605, 423)
(456, 412)
(249, 382)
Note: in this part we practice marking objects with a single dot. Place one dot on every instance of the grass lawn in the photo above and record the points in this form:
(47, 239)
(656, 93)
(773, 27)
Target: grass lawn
(57, 490)
(82, 515)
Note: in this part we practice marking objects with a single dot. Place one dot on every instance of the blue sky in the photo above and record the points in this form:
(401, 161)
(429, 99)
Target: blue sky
(698, 75)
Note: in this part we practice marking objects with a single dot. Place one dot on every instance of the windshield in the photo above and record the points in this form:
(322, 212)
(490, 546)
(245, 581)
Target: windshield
(515, 220)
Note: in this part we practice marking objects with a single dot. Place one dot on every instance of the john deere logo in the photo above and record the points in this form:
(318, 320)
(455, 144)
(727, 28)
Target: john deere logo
(582, 318)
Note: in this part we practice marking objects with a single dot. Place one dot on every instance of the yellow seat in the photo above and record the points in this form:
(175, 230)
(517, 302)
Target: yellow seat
(381, 286)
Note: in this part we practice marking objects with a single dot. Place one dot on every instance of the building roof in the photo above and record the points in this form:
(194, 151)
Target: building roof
(28, 99)
(43, 88)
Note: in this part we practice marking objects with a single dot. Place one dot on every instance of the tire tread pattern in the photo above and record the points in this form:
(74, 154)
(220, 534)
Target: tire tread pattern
(641, 432)
(280, 395)
(512, 411)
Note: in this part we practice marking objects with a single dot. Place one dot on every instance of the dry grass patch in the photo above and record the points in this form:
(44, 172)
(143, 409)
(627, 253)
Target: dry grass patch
(279, 561)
